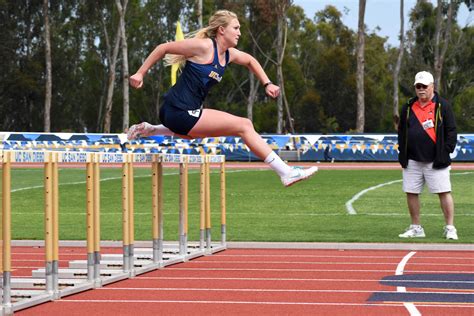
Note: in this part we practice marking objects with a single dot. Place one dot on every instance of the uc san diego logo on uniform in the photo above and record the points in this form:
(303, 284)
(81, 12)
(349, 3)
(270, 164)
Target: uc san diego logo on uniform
(214, 75)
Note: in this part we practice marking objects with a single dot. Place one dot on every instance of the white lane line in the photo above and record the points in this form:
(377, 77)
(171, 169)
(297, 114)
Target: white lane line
(197, 262)
(401, 266)
(308, 270)
(234, 290)
(315, 280)
(270, 270)
(249, 303)
(351, 210)
(217, 256)
(202, 289)
(336, 256)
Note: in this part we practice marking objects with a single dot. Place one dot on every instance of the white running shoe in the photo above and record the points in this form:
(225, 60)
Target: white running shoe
(297, 174)
(413, 231)
(450, 232)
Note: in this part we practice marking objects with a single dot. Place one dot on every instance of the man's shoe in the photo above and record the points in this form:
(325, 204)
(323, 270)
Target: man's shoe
(450, 232)
(414, 231)
(297, 174)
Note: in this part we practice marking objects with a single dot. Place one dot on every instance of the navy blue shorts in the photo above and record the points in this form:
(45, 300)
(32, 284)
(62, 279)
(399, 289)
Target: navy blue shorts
(179, 121)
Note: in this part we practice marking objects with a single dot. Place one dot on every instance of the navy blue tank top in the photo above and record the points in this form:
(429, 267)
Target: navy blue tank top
(195, 81)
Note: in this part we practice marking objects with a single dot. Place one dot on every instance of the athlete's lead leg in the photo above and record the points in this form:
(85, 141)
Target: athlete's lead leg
(213, 123)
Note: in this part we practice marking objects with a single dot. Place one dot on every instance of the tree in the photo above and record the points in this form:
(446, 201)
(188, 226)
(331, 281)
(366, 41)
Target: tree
(396, 72)
(262, 20)
(360, 69)
(111, 61)
(282, 28)
(318, 61)
(253, 27)
(199, 13)
(439, 56)
(48, 85)
(122, 8)
(333, 67)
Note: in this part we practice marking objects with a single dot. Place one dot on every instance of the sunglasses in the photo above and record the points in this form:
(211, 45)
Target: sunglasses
(420, 86)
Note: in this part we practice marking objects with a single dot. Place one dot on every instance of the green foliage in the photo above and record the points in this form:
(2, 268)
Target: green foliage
(319, 64)
(464, 109)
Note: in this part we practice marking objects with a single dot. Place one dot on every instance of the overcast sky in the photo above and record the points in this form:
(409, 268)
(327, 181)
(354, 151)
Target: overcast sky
(382, 13)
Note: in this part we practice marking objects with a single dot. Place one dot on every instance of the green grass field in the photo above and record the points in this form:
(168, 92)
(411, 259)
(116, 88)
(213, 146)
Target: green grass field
(259, 208)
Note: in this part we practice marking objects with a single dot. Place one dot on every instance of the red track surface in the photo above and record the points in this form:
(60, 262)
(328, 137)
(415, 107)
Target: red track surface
(259, 282)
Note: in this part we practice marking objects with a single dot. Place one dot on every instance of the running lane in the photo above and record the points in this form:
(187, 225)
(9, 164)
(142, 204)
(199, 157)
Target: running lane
(281, 282)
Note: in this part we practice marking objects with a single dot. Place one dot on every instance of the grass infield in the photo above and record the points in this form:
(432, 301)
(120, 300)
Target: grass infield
(259, 208)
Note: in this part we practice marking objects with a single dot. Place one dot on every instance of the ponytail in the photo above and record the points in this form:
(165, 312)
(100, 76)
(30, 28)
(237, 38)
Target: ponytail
(220, 18)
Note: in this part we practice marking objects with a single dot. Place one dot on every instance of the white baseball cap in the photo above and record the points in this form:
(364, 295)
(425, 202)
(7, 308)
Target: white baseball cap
(424, 77)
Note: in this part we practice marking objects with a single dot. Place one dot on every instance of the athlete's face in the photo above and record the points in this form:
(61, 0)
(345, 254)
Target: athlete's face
(232, 32)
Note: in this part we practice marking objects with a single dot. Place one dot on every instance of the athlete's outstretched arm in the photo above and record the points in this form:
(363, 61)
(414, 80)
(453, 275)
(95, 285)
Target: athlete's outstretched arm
(247, 60)
(188, 48)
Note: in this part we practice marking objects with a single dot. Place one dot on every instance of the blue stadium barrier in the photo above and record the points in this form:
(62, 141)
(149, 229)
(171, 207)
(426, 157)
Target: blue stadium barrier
(306, 147)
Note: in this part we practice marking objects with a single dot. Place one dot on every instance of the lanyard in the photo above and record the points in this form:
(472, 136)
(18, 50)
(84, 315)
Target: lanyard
(426, 117)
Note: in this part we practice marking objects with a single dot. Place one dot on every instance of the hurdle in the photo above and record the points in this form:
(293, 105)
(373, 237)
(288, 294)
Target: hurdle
(94, 272)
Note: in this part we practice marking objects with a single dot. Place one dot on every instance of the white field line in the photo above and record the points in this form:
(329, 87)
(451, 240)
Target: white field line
(399, 271)
(115, 178)
(351, 210)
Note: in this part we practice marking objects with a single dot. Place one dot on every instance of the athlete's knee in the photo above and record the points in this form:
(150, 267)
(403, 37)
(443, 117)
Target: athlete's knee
(246, 126)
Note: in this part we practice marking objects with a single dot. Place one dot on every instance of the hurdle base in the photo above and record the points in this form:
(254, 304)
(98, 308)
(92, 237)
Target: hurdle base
(76, 273)
(6, 309)
(30, 302)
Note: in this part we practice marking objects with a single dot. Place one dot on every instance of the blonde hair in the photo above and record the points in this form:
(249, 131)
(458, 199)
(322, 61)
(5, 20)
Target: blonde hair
(218, 19)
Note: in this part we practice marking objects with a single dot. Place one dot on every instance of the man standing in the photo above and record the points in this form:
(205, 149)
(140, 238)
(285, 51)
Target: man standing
(426, 136)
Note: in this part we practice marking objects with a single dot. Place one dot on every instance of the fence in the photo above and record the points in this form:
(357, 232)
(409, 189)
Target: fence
(300, 147)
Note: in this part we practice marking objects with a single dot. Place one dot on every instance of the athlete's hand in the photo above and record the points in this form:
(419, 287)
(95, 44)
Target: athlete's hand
(272, 90)
(136, 80)
(143, 129)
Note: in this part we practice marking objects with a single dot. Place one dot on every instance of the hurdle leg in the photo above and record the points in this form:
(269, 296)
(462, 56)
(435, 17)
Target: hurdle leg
(157, 209)
(96, 218)
(208, 206)
(131, 222)
(202, 205)
(186, 206)
(55, 224)
(125, 215)
(223, 205)
(183, 205)
(48, 221)
(90, 216)
(6, 234)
